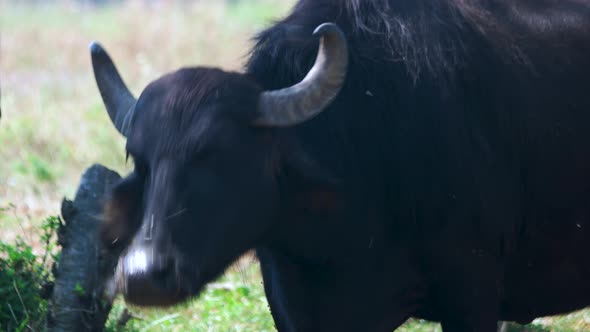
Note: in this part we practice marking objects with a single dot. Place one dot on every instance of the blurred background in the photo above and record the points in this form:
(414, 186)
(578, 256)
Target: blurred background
(54, 126)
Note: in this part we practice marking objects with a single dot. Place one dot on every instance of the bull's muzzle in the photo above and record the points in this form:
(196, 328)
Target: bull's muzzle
(147, 277)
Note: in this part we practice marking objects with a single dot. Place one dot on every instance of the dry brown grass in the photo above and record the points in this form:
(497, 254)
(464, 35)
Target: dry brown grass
(53, 123)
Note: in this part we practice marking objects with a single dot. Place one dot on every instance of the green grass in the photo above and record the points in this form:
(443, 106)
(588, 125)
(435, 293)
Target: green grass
(54, 126)
(235, 302)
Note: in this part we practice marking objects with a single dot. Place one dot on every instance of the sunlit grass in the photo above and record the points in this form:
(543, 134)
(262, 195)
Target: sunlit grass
(235, 302)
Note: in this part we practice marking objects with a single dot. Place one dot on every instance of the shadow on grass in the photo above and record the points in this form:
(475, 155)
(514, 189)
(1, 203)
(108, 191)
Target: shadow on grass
(512, 327)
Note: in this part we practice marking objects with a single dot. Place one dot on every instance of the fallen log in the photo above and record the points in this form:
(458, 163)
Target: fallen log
(77, 302)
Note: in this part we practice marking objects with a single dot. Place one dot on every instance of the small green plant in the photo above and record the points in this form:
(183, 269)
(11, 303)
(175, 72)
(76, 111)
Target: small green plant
(25, 280)
(79, 290)
(21, 277)
(49, 227)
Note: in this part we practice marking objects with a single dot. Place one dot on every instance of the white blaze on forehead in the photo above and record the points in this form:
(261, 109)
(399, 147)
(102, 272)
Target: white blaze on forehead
(136, 262)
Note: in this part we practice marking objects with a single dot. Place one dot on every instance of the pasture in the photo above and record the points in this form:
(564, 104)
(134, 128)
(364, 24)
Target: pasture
(54, 126)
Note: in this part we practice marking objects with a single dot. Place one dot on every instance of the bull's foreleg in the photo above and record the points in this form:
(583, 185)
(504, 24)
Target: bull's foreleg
(468, 298)
(285, 292)
(467, 312)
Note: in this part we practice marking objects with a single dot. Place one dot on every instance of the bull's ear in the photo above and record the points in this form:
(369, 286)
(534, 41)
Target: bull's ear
(121, 212)
(117, 98)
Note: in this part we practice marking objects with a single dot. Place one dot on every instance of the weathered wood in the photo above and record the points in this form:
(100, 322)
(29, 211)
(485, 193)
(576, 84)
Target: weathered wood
(76, 302)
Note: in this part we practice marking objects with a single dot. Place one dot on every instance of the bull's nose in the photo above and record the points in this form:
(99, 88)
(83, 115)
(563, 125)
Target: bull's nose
(149, 278)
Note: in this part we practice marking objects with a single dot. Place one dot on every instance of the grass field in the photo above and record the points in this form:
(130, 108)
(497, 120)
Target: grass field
(54, 126)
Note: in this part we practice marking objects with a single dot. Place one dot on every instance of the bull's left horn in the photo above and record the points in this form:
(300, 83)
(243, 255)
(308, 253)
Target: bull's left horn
(117, 98)
(309, 97)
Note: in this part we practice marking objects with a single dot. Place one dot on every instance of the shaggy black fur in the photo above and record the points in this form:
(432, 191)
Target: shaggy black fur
(464, 125)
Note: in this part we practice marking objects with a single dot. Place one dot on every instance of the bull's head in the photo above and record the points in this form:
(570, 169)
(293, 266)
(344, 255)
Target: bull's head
(203, 190)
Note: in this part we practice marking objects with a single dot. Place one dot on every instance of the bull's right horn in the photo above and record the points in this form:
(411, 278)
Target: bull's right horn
(301, 102)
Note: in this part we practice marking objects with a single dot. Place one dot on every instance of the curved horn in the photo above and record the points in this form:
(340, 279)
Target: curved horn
(309, 97)
(117, 99)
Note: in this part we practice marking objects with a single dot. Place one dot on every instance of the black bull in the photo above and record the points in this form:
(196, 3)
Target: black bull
(432, 161)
